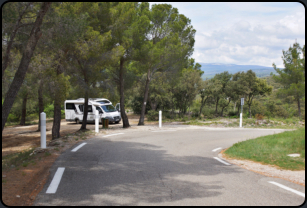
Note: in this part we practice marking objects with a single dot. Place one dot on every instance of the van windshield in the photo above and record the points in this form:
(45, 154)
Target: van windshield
(108, 108)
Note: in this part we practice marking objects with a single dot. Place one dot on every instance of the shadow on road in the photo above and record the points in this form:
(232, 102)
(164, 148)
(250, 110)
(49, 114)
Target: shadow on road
(130, 173)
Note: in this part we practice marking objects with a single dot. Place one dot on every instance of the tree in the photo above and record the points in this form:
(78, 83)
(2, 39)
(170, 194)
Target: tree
(13, 14)
(90, 59)
(187, 89)
(171, 43)
(124, 34)
(24, 63)
(223, 79)
(250, 86)
(292, 77)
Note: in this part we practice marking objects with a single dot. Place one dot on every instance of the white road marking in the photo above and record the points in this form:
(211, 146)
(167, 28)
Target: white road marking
(78, 147)
(55, 181)
(112, 134)
(163, 130)
(218, 159)
(216, 149)
(287, 188)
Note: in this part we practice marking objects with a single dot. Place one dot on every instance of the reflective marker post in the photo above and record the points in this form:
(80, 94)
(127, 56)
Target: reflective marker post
(242, 103)
(43, 129)
(160, 119)
(96, 121)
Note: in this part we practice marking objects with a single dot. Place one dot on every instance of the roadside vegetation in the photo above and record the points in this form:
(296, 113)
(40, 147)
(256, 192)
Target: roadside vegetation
(32, 155)
(273, 150)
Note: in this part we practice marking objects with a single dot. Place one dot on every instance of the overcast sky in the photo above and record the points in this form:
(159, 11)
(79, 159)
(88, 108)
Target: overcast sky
(251, 33)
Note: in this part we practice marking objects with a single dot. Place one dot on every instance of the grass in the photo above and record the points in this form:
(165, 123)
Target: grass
(273, 149)
(17, 159)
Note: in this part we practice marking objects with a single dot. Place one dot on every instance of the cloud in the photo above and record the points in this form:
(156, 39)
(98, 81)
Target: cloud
(244, 32)
(244, 43)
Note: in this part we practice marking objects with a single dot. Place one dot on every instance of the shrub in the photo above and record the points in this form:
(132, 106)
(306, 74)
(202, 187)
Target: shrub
(210, 116)
(136, 105)
(49, 110)
(259, 117)
(153, 115)
(195, 115)
(232, 113)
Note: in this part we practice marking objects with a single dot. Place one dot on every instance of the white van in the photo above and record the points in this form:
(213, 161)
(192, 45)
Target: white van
(74, 110)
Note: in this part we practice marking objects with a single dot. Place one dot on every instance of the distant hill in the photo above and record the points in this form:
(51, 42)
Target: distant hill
(211, 69)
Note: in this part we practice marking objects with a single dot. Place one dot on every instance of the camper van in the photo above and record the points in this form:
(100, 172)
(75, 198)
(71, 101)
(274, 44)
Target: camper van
(74, 110)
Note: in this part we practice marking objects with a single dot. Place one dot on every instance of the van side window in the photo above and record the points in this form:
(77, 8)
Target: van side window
(99, 110)
(70, 106)
(89, 108)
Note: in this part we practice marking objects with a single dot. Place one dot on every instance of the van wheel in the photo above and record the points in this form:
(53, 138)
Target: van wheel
(77, 121)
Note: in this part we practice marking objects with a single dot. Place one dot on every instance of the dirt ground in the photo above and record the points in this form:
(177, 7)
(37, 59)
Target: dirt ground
(20, 185)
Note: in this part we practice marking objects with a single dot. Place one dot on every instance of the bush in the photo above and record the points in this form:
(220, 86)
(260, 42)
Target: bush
(195, 115)
(49, 110)
(232, 113)
(259, 117)
(153, 115)
(136, 105)
(13, 118)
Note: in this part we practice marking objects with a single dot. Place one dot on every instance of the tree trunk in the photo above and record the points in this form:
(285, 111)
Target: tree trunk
(249, 110)
(57, 109)
(40, 103)
(24, 110)
(12, 37)
(203, 102)
(56, 120)
(217, 101)
(122, 98)
(153, 105)
(141, 121)
(234, 108)
(299, 107)
(85, 111)
(224, 107)
(24, 63)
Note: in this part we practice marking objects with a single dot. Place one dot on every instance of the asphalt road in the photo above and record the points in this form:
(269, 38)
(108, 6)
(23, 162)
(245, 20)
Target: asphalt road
(156, 167)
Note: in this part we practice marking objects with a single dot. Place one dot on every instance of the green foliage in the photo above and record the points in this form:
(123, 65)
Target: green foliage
(136, 105)
(49, 110)
(292, 77)
(17, 159)
(152, 115)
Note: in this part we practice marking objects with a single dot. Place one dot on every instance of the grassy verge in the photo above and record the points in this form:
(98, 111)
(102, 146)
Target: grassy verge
(25, 158)
(17, 160)
(273, 150)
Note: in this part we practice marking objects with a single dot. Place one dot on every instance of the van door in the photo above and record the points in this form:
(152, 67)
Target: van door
(90, 114)
(70, 109)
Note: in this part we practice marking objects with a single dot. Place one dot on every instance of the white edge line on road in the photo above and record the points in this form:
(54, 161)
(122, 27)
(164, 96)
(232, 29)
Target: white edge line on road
(287, 188)
(78, 147)
(218, 159)
(112, 134)
(55, 181)
(216, 149)
(163, 130)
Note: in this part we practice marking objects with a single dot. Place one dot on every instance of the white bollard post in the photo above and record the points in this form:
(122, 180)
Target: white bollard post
(240, 119)
(43, 129)
(96, 121)
(160, 119)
